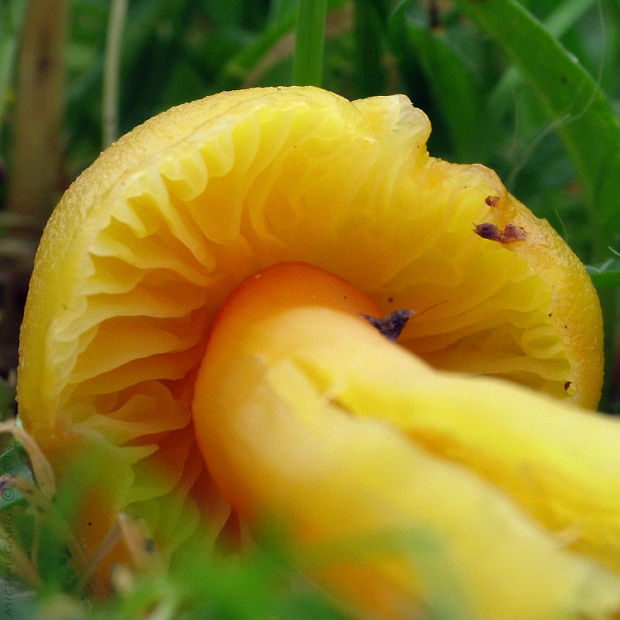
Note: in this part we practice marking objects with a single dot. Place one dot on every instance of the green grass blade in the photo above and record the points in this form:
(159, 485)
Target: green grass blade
(577, 107)
(368, 34)
(565, 16)
(309, 40)
(111, 71)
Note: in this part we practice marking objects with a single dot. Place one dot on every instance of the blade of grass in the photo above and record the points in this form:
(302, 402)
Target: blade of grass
(309, 40)
(142, 21)
(39, 106)
(116, 24)
(557, 23)
(368, 31)
(567, 15)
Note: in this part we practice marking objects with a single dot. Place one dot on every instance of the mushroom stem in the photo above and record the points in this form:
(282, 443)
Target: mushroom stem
(395, 474)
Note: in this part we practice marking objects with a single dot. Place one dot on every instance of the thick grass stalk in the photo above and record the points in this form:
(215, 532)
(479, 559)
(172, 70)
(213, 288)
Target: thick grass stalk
(309, 41)
(368, 49)
(33, 182)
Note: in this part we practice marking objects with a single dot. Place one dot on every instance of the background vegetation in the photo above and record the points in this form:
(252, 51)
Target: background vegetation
(529, 88)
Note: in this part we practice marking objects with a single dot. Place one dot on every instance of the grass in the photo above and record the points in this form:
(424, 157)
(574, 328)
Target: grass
(528, 88)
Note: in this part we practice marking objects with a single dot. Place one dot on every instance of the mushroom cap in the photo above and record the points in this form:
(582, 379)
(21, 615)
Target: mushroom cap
(147, 243)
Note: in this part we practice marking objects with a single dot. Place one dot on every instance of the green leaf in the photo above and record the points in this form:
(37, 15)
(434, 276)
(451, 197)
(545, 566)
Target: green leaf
(578, 109)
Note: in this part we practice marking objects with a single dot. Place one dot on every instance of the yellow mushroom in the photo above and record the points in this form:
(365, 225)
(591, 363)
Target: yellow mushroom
(148, 243)
(483, 492)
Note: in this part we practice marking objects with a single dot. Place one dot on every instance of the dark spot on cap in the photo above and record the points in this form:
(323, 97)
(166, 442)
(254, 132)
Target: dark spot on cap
(567, 384)
(492, 200)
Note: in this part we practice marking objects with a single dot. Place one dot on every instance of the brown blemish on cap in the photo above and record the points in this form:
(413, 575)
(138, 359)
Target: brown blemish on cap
(510, 233)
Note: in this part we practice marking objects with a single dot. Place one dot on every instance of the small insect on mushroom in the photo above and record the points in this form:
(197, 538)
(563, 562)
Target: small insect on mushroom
(510, 233)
